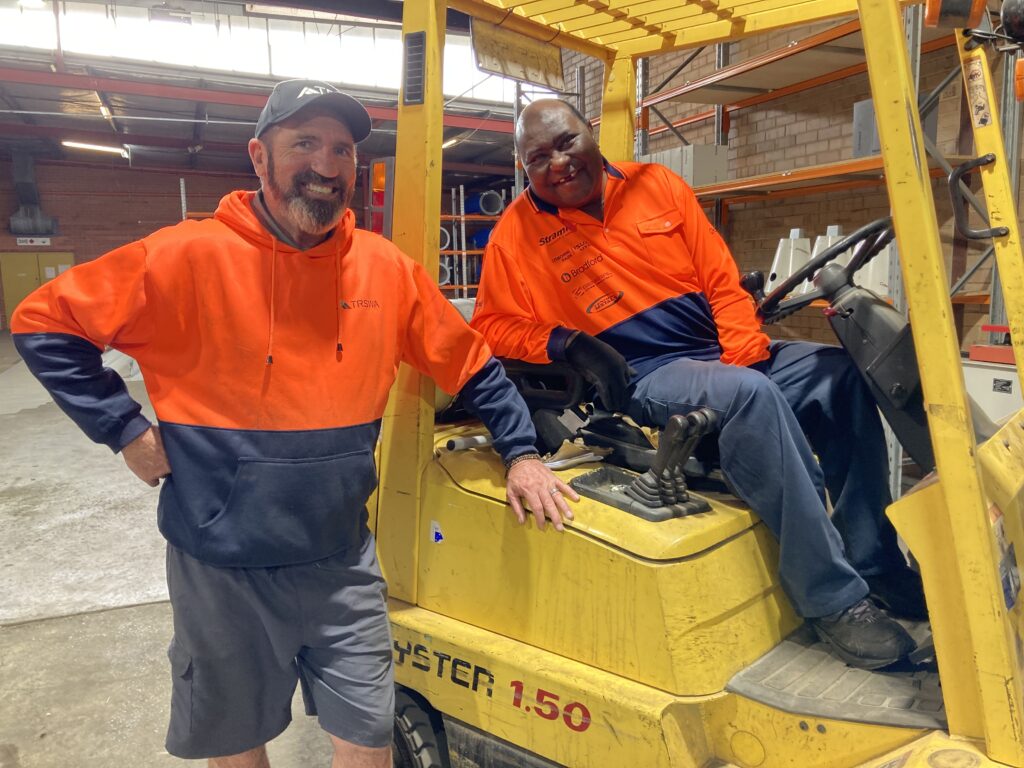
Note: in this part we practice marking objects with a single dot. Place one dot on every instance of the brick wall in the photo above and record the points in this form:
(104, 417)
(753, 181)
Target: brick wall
(100, 208)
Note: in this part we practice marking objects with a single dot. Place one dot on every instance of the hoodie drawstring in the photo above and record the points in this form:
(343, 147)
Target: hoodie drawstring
(337, 301)
(273, 280)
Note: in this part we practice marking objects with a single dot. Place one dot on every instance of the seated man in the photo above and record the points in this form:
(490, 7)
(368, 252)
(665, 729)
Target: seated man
(616, 270)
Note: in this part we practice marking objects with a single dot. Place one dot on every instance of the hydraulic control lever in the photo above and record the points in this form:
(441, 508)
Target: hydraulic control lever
(664, 484)
(753, 283)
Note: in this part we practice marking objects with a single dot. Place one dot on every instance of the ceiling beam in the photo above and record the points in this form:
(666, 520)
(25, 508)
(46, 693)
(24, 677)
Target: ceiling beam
(42, 78)
(99, 137)
(167, 142)
(477, 168)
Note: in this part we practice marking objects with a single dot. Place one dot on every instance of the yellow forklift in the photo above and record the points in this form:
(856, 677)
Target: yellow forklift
(647, 639)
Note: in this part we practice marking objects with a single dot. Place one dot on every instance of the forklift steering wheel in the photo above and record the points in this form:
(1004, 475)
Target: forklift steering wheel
(868, 241)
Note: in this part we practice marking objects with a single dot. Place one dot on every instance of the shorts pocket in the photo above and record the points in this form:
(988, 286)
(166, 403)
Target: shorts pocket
(287, 511)
(181, 690)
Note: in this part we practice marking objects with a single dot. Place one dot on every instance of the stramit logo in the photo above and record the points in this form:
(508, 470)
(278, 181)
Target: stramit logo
(359, 304)
(577, 271)
(604, 301)
(553, 236)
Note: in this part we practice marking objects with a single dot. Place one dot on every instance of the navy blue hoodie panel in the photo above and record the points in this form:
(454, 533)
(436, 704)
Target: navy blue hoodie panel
(679, 327)
(253, 498)
(491, 397)
(95, 397)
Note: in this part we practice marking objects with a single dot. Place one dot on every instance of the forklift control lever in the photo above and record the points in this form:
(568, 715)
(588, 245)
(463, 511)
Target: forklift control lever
(664, 484)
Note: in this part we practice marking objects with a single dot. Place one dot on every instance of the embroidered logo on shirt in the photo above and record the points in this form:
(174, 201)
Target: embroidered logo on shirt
(359, 304)
(577, 271)
(553, 236)
(578, 291)
(604, 301)
(582, 245)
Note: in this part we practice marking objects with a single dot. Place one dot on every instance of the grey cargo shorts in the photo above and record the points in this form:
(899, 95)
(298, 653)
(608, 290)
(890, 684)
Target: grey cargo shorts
(244, 636)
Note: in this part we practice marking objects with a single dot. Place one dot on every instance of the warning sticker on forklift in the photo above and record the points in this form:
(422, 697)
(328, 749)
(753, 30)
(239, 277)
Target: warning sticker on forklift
(977, 95)
(1009, 574)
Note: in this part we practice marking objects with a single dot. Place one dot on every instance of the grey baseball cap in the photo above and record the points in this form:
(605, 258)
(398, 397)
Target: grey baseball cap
(289, 96)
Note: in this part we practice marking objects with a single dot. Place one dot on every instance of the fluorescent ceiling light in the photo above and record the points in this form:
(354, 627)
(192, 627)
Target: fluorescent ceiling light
(96, 147)
(450, 143)
(166, 12)
(31, 5)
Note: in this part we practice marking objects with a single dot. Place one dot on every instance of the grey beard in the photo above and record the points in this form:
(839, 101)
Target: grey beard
(315, 215)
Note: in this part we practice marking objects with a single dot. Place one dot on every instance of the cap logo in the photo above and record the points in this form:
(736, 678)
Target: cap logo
(313, 90)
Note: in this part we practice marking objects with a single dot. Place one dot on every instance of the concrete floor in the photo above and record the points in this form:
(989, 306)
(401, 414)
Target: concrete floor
(84, 618)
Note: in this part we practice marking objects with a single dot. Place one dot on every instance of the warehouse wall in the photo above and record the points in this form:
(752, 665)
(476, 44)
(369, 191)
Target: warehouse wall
(100, 208)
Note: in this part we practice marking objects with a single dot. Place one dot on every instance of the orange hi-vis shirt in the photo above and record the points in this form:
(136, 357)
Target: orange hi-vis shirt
(268, 368)
(653, 279)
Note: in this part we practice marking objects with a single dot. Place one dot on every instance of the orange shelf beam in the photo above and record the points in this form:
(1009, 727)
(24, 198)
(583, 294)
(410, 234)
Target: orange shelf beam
(799, 182)
(811, 42)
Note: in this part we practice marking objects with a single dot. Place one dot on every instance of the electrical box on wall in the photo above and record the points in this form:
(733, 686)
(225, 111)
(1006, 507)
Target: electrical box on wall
(865, 129)
(698, 164)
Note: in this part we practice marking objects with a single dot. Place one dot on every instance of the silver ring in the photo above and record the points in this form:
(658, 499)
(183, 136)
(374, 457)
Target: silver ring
(554, 491)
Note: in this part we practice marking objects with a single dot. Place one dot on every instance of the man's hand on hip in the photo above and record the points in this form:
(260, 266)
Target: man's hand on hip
(145, 457)
(531, 483)
(603, 367)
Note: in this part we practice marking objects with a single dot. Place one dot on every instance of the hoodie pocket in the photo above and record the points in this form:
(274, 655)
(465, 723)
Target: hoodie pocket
(286, 511)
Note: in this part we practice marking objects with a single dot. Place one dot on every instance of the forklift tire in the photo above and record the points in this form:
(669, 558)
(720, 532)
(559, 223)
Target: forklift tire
(416, 742)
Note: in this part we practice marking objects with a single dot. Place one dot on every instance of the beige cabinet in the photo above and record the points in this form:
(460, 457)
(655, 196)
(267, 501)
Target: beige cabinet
(21, 272)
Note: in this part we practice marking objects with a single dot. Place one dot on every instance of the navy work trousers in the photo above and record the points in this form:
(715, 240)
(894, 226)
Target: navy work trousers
(774, 416)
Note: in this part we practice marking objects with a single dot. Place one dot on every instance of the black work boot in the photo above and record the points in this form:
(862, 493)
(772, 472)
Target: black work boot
(901, 593)
(863, 636)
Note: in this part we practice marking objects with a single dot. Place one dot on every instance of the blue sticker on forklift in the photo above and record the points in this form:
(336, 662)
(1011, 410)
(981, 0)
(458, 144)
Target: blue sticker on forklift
(1009, 575)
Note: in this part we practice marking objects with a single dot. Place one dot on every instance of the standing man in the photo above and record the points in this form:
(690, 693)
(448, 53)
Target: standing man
(616, 270)
(268, 338)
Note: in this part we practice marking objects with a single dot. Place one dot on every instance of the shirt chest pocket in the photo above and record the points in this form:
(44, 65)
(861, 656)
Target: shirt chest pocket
(662, 239)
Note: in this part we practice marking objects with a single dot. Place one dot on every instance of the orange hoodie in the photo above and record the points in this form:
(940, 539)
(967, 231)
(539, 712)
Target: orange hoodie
(268, 368)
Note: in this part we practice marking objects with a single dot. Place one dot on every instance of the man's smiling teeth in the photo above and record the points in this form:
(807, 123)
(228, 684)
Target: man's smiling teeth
(566, 179)
(320, 189)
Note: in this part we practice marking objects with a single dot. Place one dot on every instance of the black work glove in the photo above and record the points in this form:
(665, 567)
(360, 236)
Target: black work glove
(603, 367)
